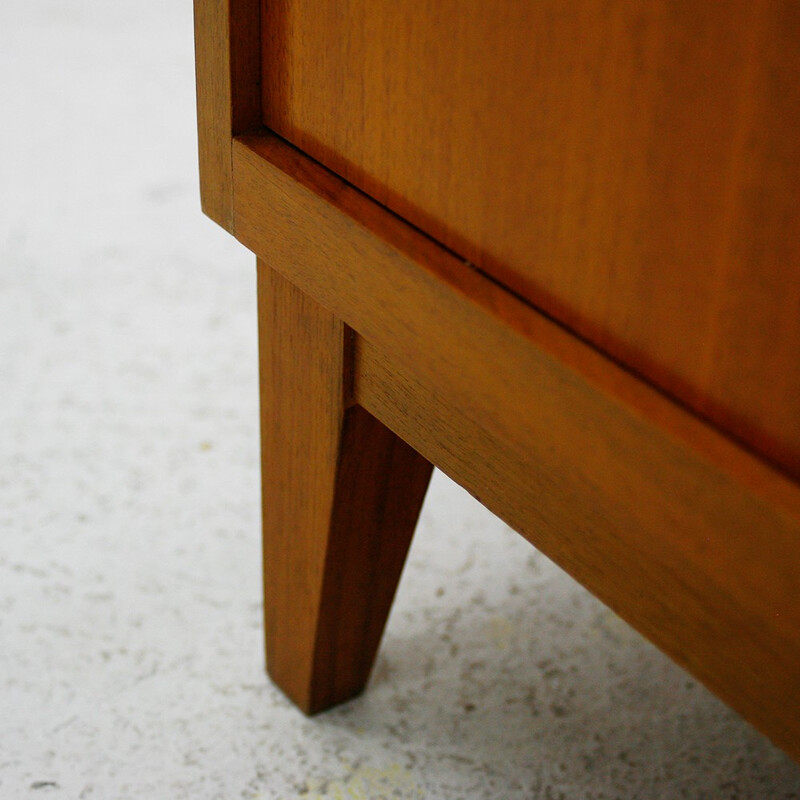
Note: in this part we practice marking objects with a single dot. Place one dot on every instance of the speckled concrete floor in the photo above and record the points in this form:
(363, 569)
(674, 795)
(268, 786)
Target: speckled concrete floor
(130, 627)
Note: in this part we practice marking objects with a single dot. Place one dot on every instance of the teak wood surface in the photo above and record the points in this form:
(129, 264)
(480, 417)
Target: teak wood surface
(669, 519)
(633, 169)
(341, 498)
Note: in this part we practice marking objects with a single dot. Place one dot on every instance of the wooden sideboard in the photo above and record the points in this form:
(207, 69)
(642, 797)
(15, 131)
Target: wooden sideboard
(553, 249)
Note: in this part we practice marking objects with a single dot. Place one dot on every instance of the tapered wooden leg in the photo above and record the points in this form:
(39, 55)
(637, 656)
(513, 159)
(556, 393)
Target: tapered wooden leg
(341, 498)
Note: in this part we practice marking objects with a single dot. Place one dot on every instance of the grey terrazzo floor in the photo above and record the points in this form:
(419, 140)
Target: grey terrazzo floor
(130, 620)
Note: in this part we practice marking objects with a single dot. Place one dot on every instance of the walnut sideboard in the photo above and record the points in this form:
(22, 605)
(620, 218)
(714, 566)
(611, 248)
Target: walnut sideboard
(552, 248)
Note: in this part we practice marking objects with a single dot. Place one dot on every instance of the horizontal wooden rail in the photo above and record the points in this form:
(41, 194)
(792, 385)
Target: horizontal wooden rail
(687, 535)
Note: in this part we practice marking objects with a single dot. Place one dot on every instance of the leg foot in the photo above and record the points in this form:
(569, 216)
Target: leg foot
(341, 498)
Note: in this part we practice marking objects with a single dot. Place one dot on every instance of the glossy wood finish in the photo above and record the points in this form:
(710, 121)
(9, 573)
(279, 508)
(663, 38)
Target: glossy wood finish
(686, 535)
(633, 169)
(675, 524)
(341, 499)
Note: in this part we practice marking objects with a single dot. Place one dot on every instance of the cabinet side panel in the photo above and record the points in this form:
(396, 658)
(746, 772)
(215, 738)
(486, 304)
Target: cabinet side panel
(630, 168)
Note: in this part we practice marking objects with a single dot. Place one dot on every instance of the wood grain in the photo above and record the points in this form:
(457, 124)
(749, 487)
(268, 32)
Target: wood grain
(228, 71)
(632, 169)
(341, 499)
(690, 537)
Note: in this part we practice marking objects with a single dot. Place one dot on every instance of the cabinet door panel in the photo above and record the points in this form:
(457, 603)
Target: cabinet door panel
(631, 168)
